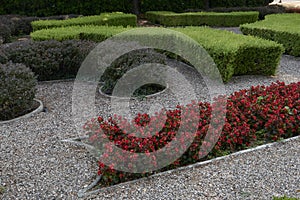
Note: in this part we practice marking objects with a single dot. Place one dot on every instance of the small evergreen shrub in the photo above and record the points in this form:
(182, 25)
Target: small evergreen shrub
(17, 86)
(127, 62)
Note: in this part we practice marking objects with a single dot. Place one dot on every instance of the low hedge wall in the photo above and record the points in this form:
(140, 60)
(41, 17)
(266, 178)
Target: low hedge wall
(202, 18)
(94, 33)
(234, 54)
(49, 60)
(111, 19)
(237, 54)
(282, 28)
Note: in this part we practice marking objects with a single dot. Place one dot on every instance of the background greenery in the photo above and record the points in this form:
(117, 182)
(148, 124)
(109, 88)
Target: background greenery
(93, 7)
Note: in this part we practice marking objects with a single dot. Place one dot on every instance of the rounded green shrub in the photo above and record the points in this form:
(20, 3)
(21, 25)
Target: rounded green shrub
(18, 88)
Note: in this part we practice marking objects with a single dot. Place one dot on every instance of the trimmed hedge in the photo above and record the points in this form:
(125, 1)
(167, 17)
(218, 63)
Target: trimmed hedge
(234, 54)
(237, 54)
(49, 60)
(202, 18)
(263, 10)
(94, 33)
(282, 28)
(112, 19)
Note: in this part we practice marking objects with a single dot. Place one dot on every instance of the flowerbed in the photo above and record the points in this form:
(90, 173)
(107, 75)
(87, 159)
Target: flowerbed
(254, 116)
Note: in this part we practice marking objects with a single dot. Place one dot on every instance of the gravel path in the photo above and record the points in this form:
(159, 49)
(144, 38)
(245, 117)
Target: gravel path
(35, 164)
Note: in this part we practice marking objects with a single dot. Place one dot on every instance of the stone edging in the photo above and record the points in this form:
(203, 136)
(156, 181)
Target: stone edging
(39, 109)
(146, 96)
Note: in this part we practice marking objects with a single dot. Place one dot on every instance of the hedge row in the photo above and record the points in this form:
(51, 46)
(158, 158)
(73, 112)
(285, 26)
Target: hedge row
(15, 25)
(49, 60)
(263, 10)
(237, 54)
(60, 7)
(94, 7)
(282, 28)
(201, 18)
(234, 54)
(112, 19)
(94, 33)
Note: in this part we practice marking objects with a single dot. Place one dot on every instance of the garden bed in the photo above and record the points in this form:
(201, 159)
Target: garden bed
(34, 157)
(233, 54)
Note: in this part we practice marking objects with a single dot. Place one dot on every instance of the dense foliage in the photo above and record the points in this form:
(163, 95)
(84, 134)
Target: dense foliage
(281, 28)
(127, 62)
(230, 19)
(109, 19)
(17, 86)
(234, 54)
(95, 7)
(15, 25)
(254, 116)
(49, 60)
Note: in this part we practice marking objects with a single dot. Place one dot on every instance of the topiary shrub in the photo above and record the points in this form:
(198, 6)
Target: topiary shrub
(17, 86)
(49, 60)
(127, 62)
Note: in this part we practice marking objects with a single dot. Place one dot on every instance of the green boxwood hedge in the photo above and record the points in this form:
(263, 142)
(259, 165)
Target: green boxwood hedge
(237, 54)
(94, 33)
(111, 19)
(234, 54)
(282, 28)
(229, 19)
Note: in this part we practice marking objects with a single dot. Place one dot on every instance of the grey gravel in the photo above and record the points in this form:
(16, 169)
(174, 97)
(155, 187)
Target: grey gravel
(35, 164)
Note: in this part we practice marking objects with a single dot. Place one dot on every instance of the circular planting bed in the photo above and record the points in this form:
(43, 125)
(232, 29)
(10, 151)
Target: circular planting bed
(36, 108)
(146, 91)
